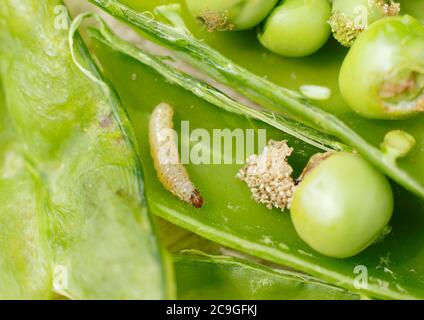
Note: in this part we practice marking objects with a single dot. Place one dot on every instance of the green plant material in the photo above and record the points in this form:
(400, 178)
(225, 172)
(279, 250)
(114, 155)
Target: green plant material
(351, 17)
(341, 205)
(212, 95)
(177, 239)
(398, 143)
(229, 216)
(234, 278)
(263, 91)
(73, 214)
(382, 79)
(297, 28)
(224, 15)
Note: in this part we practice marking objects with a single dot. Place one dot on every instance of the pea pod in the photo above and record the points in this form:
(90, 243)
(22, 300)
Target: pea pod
(70, 168)
(212, 95)
(407, 172)
(231, 218)
(351, 17)
(234, 278)
(231, 276)
(393, 266)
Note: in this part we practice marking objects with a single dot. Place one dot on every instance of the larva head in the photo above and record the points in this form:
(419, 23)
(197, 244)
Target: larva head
(196, 199)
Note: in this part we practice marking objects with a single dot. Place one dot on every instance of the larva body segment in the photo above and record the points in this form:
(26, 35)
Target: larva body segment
(164, 151)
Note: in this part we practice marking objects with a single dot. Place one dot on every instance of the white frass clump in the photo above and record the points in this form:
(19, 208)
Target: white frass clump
(269, 176)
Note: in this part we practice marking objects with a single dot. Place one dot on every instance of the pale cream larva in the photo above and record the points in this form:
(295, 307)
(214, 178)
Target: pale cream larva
(164, 150)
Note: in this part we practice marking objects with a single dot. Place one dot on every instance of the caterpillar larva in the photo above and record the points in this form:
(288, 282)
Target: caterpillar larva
(164, 150)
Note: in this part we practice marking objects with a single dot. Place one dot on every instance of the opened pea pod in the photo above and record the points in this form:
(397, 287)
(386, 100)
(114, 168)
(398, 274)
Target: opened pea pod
(72, 190)
(235, 278)
(274, 184)
(231, 217)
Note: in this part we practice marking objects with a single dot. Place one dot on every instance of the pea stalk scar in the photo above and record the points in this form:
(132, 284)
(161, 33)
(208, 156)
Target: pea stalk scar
(164, 151)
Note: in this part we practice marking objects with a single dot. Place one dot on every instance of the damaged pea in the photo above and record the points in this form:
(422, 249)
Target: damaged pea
(227, 15)
(381, 79)
(351, 17)
(339, 205)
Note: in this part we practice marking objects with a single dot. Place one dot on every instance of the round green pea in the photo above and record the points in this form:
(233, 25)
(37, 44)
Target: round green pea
(297, 28)
(382, 76)
(230, 14)
(342, 205)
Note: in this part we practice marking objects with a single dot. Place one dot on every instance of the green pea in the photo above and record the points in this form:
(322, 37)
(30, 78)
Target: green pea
(341, 205)
(382, 76)
(351, 17)
(230, 14)
(297, 28)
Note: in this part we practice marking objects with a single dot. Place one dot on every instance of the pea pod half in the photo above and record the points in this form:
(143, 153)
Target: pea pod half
(382, 76)
(235, 278)
(231, 218)
(73, 217)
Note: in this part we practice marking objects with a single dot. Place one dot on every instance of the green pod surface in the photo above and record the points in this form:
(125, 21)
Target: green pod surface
(201, 276)
(230, 217)
(230, 14)
(333, 116)
(382, 76)
(73, 216)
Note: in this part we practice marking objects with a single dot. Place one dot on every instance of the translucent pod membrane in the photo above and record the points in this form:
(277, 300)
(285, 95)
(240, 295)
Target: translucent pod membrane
(382, 76)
